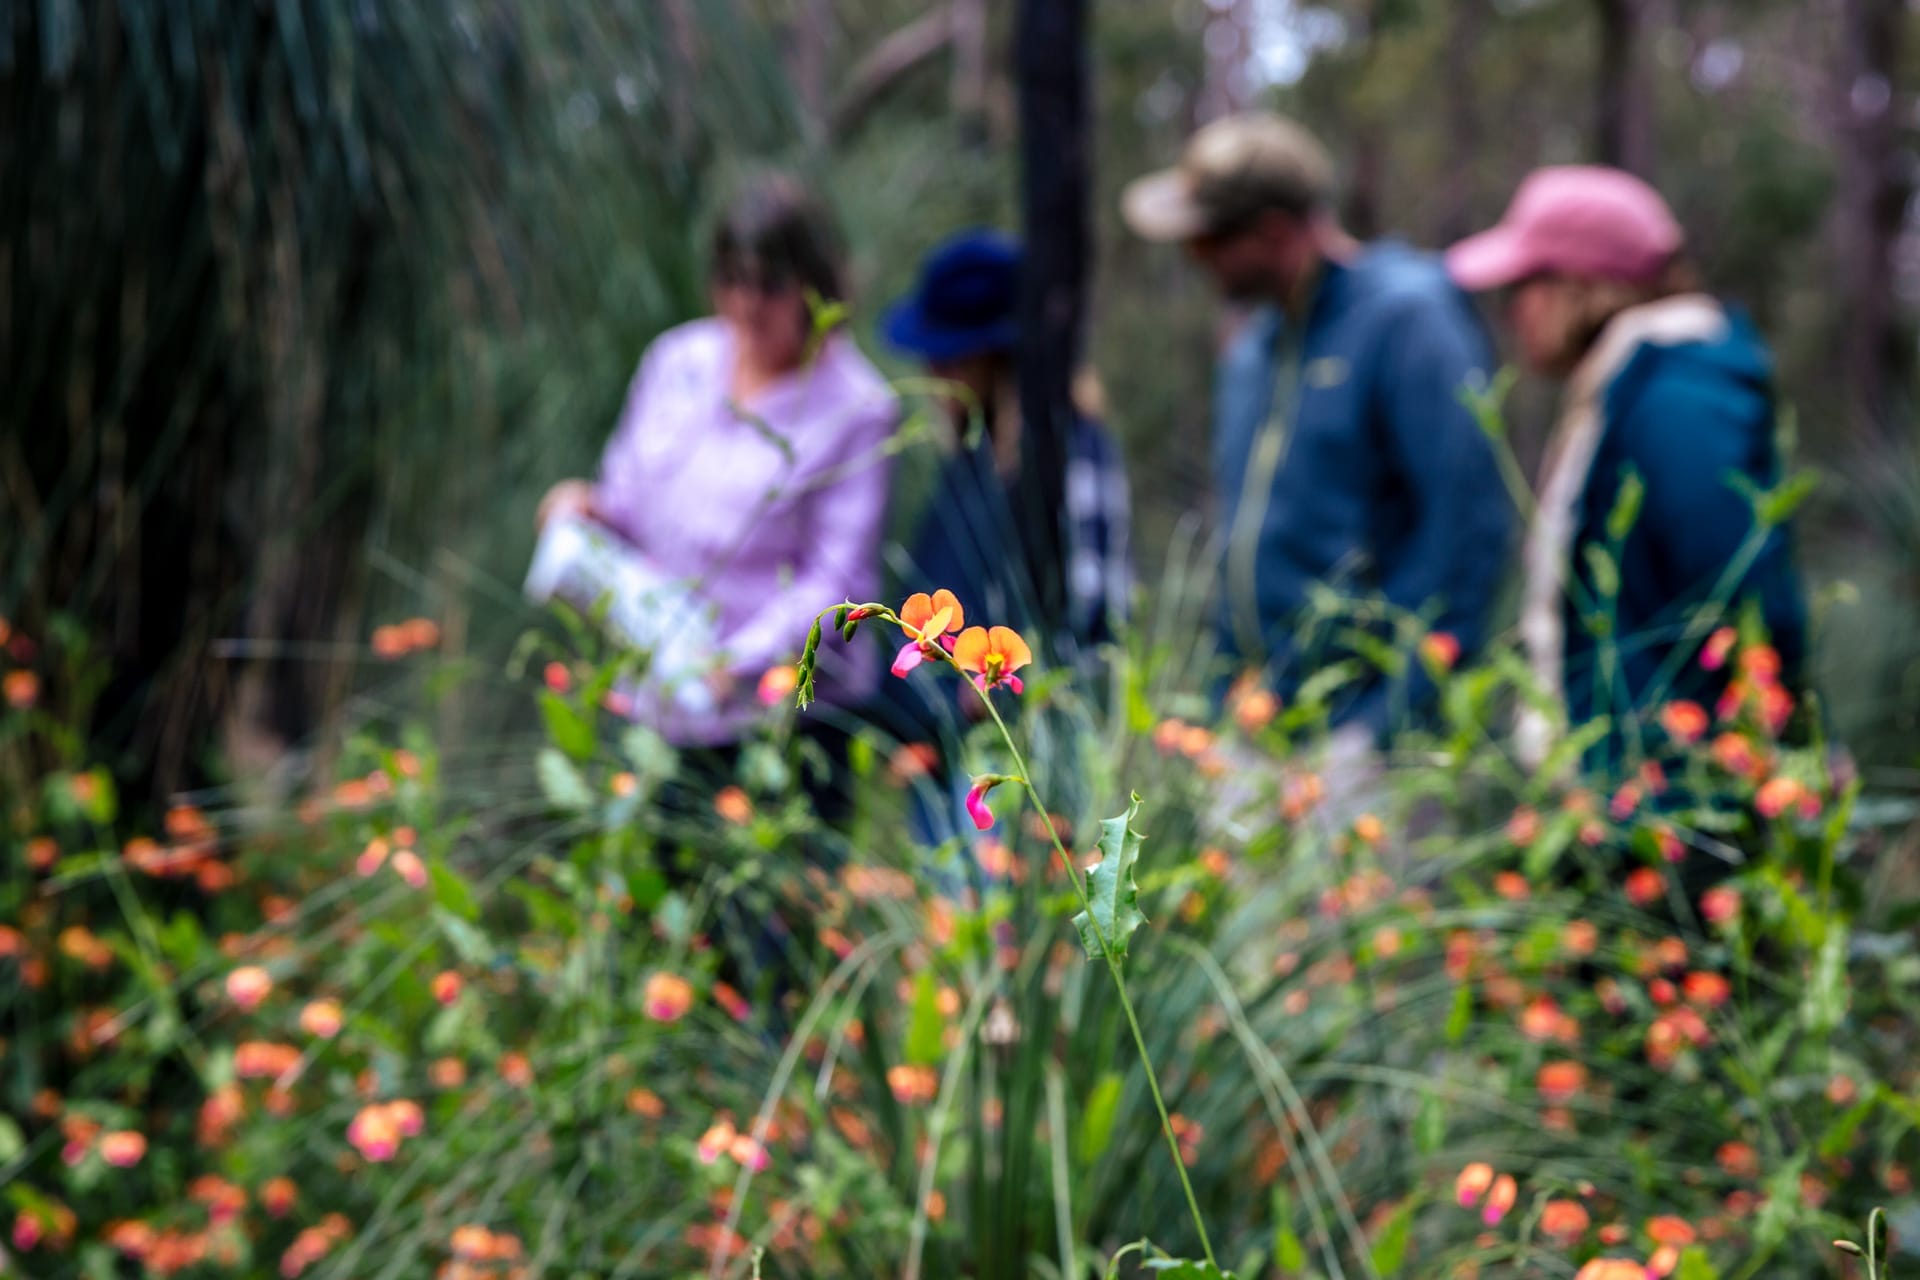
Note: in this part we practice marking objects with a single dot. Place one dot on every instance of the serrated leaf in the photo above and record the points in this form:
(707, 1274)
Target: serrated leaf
(925, 1025)
(569, 729)
(1111, 890)
(561, 783)
(1096, 1121)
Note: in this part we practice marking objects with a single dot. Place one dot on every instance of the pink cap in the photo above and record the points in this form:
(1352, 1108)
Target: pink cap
(1576, 220)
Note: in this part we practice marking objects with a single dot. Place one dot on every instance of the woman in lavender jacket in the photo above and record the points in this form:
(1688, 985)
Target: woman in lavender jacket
(749, 460)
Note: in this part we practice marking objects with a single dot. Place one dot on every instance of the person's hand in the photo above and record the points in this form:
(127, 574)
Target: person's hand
(568, 498)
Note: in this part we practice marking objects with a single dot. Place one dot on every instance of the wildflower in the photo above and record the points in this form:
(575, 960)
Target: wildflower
(1510, 885)
(1720, 904)
(557, 677)
(1564, 1221)
(1500, 1199)
(389, 643)
(321, 1018)
(977, 798)
(447, 1073)
(1440, 650)
(1255, 710)
(1713, 655)
(667, 997)
(278, 1196)
(420, 633)
(1580, 937)
(516, 1070)
(1685, 722)
(1662, 1263)
(42, 852)
(1645, 886)
(912, 1085)
(21, 689)
(1668, 1229)
(1369, 830)
(747, 1153)
(1841, 1090)
(914, 760)
(446, 986)
(407, 865)
(27, 1231)
(1777, 795)
(1523, 828)
(1540, 1021)
(1472, 1183)
(1709, 989)
(1560, 1081)
(732, 1002)
(1611, 1269)
(1732, 752)
(777, 684)
(123, 1148)
(1669, 843)
(373, 857)
(1187, 1135)
(645, 1103)
(248, 985)
(732, 804)
(993, 656)
(1625, 801)
(716, 1141)
(375, 1133)
(926, 619)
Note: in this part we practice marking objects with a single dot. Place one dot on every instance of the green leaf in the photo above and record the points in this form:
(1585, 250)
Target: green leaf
(1111, 889)
(925, 1026)
(12, 1142)
(467, 942)
(1606, 573)
(1776, 506)
(1390, 1250)
(1838, 1139)
(450, 890)
(1547, 848)
(569, 729)
(1430, 1124)
(1461, 1017)
(1096, 1121)
(561, 783)
(1184, 1269)
(1695, 1265)
(1825, 1000)
(1626, 507)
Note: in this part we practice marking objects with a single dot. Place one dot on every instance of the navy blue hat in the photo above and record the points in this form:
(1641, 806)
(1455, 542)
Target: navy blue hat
(965, 302)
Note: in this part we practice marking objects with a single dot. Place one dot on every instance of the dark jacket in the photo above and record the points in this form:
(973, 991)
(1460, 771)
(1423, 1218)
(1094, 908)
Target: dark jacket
(1385, 485)
(1686, 418)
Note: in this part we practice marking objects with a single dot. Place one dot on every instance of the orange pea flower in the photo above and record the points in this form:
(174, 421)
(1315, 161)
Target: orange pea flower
(1500, 1199)
(926, 619)
(992, 656)
(1684, 721)
(1564, 1220)
(1472, 1183)
(123, 1148)
(248, 986)
(1611, 1269)
(321, 1018)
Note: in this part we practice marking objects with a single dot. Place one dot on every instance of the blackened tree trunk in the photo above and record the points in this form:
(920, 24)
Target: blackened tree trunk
(1624, 123)
(1871, 203)
(1050, 52)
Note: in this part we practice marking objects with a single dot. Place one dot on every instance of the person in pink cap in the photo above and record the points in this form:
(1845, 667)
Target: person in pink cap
(1665, 384)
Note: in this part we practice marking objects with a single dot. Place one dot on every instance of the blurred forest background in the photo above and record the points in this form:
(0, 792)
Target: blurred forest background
(306, 302)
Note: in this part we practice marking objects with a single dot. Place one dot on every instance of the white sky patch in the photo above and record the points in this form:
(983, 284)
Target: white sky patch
(1286, 36)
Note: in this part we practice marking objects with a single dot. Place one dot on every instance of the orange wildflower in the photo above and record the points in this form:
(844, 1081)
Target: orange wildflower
(1472, 1183)
(1777, 795)
(419, 633)
(1523, 828)
(1645, 886)
(1668, 1229)
(732, 1002)
(321, 1018)
(1713, 655)
(1560, 1081)
(248, 985)
(667, 997)
(1510, 885)
(446, 986)
(777, 684)
(123, 1148)
(1611, 1269)
(1564, 1221)
(21, 689)
(992, 656)
(407, 864)
(645, 1103)
(926, 619)
(1440, 650)
(1663, 1261)
(732, 804)
(1720, 904)
(1499, 1199)
(1684, 721)
(516, 1070)
(389, 643)
(279, 1196)
(912, 1085)
(1709, 989)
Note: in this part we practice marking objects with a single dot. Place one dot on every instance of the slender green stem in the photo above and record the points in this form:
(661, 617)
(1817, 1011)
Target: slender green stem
(1113, 968)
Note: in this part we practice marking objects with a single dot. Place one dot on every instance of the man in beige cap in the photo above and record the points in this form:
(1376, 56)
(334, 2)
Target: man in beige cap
(1343, 452)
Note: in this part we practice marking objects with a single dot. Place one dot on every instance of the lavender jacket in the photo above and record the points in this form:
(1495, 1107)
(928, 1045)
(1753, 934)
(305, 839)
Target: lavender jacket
(773, 508)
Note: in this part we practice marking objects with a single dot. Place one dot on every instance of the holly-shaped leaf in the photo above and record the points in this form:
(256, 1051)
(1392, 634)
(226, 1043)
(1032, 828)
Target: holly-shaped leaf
(1111, 889)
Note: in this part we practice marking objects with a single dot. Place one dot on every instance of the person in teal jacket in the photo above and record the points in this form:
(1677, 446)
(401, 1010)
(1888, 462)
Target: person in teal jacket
(1670, 394)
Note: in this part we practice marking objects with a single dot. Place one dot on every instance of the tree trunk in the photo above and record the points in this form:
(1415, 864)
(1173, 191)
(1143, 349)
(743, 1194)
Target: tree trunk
(1624, 124)
(1466, 26)
(1869, 207)
(1050, 52)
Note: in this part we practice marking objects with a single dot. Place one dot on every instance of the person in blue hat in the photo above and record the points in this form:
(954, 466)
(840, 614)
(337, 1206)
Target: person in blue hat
(961, 320)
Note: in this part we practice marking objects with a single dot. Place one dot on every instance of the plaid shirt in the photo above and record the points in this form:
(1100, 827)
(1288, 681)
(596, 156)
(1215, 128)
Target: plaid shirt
(961, 544)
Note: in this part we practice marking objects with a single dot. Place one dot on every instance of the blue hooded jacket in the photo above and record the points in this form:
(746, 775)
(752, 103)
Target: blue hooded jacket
(1344, 456)
(1685, 418)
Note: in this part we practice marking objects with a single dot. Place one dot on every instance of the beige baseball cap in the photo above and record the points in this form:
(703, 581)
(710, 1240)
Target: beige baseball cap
(1231, 171)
